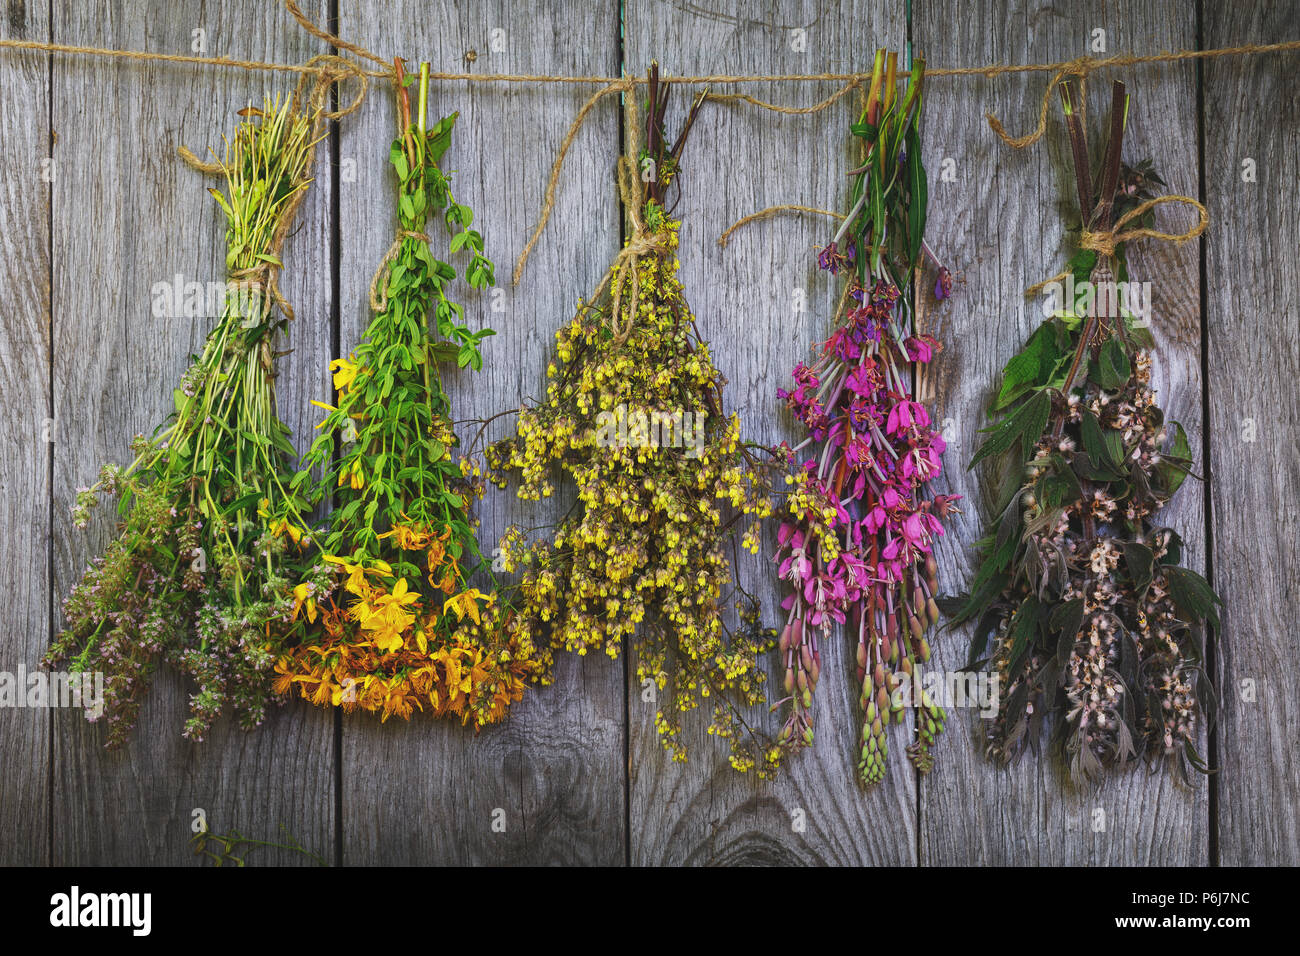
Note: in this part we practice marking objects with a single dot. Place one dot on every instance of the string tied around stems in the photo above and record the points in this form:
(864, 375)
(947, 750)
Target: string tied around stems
(1104, 241)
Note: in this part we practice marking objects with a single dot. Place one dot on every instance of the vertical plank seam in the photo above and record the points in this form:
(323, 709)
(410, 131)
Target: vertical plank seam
(916, 712)
(1211, 636)
(336, 345)
(620, 45)
(49, 457)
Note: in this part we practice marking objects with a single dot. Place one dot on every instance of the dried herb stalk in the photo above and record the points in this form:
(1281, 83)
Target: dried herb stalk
(633, 417)
(399, 628)
(1084, 611)
(857, 532)
(194, 578)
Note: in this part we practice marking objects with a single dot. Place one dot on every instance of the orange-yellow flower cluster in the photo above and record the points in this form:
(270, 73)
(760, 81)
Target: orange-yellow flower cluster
(385, 648)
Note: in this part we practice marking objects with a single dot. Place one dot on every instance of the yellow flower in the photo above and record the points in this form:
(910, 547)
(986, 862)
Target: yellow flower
(328, 408)
(301, 596)
(466, 603)
(409, 538)
(356, 582)
(345, 373)
(353, 476)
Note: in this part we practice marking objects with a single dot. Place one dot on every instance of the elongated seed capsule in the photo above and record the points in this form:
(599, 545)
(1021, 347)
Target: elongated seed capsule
(932, 611)
(805, 657)
(785, 639)
(914, 623)
(918, 600)
(789, 680)
(925, 651)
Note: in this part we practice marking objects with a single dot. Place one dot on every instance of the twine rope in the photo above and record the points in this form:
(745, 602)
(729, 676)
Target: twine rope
(332, 68)
(1104, 241)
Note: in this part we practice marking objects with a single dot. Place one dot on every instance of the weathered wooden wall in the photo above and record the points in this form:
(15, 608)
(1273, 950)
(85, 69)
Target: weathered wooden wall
(94, 209)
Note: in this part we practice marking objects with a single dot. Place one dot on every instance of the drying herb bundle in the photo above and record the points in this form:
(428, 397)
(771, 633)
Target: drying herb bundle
(855, 542)
(399, 628)
(194, 578)
(633, 416)
(1082, 606)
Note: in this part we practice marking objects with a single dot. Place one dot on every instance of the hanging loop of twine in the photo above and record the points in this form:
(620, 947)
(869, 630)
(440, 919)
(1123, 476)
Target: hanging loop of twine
(768, 213)
(1104, 241)
(1079, 67)
(552, 182)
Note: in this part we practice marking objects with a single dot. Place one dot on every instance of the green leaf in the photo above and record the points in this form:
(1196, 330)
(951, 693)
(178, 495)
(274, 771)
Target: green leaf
(1023, 627)
(1066, 618)
(1193, 594)
(1174, 463)
(1030, 368)
(1113, 369)
(1140, 561)
(1026, 422)
(917, 199)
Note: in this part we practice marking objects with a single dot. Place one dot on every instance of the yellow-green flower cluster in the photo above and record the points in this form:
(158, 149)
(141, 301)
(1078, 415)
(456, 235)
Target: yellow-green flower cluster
(641, 554)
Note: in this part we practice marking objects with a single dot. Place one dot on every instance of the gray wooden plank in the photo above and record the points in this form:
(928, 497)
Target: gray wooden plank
(426, 792)
(24, 448)
(1254, 361)
(1001, 223)
(128, 214)
(738, 160)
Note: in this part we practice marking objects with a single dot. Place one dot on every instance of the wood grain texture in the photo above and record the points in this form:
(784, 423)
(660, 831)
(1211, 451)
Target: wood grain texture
(761, 303)
(128, 214)
(577, 771)
(1002, 224)
(1253, 291)
(429, 791)
(25, 448)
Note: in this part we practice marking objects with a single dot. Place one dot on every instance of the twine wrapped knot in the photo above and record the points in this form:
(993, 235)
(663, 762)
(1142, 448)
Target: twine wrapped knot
(379, 281)
(642, 242)
(1104, 241)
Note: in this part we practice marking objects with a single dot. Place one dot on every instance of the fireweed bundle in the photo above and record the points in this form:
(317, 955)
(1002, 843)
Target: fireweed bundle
(195, 577)
(1085, 614)
(855, 542)
(397, 628)
(633, 416)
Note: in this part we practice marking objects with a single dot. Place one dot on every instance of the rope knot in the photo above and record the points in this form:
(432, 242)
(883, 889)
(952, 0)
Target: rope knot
(1104, 241)
(379, 281)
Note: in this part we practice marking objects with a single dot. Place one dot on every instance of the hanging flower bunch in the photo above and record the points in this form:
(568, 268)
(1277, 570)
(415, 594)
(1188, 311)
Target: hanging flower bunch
(856, 539)
(1084, 613)
(399, 628)
(633, 416)
(195, 578)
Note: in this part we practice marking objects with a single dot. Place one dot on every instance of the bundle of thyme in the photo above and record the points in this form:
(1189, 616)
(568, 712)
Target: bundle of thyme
(399, 628)
(855, 542)
(195, 578)
(1082, 606)
(633, 416)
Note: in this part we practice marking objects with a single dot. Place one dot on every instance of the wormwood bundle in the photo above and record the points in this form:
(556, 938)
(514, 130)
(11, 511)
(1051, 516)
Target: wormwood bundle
(855, 542)
(194, 578)
(398, 628)
(1087, 617)
(633, 416)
